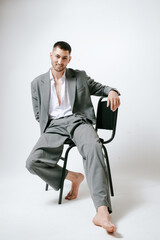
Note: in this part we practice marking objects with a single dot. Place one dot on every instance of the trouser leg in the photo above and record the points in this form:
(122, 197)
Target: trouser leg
(43, 159)
(89, 146)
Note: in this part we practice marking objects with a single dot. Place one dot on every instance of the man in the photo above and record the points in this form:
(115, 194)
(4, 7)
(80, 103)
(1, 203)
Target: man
(62, 105)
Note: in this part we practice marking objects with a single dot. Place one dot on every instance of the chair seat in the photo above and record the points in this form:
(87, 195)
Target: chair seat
(70, 142)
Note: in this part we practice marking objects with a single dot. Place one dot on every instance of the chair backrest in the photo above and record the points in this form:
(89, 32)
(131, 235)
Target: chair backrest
(106, 118)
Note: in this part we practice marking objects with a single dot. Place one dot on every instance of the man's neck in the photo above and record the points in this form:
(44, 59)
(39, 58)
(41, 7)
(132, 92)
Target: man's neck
(57, 75)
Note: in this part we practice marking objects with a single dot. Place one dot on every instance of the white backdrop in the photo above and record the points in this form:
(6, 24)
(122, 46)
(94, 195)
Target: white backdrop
(116, 42)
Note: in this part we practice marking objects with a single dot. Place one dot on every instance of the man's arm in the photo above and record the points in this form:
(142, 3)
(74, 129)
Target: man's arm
(98, 89)
(35, 101)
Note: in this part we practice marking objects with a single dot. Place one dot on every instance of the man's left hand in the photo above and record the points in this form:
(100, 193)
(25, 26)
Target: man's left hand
(113, 100)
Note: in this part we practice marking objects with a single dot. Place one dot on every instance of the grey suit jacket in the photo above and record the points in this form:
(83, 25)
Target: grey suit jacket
(80, 88)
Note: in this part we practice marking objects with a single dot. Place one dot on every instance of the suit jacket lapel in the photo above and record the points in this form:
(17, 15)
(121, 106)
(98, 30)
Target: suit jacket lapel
(46, 90)
(71, 82)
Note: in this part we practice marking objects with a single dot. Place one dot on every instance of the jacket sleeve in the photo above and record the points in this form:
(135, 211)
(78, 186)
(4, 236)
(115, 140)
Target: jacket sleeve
(98, 89)
(35, 101)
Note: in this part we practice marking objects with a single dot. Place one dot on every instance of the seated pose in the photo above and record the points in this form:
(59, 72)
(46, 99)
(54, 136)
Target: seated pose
(62, 105)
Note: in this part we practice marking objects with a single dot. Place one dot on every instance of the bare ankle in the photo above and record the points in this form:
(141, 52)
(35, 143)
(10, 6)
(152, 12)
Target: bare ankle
(73, 176)
(102, 209)
(70, 176)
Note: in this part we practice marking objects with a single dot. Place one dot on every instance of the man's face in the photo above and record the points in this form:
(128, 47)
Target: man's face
(59, 59)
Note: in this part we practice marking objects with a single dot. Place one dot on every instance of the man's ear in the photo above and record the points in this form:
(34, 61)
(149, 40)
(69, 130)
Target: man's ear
(70, 58)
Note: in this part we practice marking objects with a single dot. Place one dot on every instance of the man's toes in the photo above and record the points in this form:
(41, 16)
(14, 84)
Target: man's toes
(68, 195)
(68, 198)
(110, 228)
(72, 197)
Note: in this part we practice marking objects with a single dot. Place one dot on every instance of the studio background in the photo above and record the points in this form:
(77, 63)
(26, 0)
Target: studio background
(116, 43)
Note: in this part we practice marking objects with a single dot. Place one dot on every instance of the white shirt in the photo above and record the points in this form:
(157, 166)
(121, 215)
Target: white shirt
(56, 111)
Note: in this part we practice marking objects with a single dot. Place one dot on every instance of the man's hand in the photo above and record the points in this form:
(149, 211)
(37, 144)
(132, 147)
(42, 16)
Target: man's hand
(113, 100)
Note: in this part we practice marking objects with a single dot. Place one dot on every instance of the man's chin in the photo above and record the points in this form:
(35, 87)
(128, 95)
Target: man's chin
(59, 69)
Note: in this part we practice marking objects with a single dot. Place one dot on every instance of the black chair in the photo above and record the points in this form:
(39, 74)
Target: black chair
(106, 119)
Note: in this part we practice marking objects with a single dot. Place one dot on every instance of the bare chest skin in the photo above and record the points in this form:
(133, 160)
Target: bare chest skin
(58, 87)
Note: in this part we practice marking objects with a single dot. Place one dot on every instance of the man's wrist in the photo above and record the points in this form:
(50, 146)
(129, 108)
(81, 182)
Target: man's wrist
(115, 90)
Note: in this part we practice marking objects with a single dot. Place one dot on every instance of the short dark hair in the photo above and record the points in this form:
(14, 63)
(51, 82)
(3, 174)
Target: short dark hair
(63, 45)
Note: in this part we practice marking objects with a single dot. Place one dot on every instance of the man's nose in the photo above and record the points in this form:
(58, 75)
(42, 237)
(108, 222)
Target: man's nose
(59, 60)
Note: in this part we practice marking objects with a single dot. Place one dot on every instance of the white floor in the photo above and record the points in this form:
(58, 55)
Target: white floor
(28, 212)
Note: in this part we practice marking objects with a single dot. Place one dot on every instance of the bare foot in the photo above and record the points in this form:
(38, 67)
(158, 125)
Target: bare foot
(76, 179)
(102, 219)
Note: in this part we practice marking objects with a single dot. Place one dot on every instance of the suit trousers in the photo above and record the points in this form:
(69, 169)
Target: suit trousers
(44, 157)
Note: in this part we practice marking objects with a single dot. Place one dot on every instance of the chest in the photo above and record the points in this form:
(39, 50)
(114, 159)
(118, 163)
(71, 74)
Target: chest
(58, 91)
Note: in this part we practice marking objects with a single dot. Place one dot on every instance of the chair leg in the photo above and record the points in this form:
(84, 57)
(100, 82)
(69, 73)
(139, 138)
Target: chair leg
(46, 187)
(63, 173)
(109, 171)
(60, 194)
